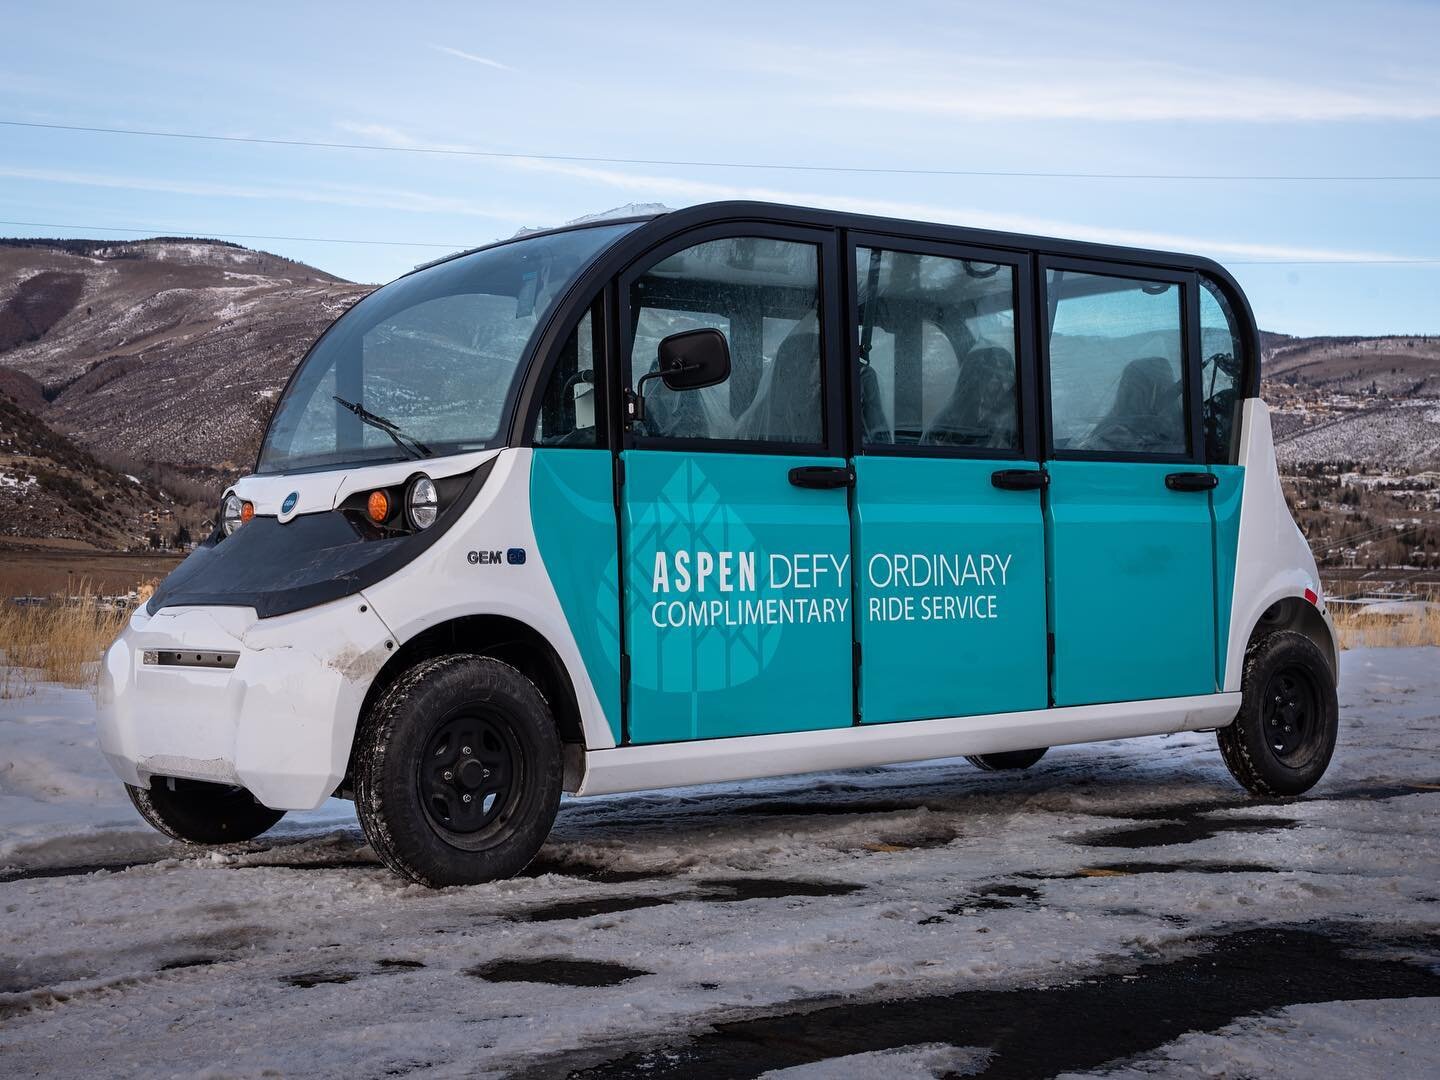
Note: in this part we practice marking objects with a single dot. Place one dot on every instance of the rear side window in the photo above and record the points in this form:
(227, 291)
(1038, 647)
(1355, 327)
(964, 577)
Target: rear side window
(1116, 365)
(763, 294)
(937, 351)
(1222, 356)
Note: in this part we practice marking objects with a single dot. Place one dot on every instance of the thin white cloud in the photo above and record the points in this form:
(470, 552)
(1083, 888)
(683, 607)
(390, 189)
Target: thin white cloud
(463, 55)
(390, 136)
(1069, 87)
(1235, 100)
(681, 189)
(321, 193)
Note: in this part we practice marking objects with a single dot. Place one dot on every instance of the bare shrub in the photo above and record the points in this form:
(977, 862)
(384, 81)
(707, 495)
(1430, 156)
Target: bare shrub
(57, 642)
(1414, 624)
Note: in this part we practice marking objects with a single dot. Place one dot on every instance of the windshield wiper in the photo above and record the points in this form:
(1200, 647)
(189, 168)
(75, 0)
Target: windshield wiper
(412, 446)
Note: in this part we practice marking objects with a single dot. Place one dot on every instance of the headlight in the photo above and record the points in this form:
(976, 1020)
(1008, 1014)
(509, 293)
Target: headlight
(422, 504)
(234, 512)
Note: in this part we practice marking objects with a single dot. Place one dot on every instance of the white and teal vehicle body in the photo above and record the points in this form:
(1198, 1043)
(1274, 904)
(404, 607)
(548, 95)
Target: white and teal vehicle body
(955, 493)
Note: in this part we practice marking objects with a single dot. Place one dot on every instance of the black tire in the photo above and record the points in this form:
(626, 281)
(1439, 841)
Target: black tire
(201, 813)
(1010, 760)
(1282, 740)
(458, 772)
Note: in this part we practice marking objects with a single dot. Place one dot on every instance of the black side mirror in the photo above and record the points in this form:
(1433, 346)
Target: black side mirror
(694, 359)
(690, 360)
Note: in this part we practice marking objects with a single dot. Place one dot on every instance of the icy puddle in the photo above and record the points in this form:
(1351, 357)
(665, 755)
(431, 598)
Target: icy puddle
(1121, 907)
(556, 970)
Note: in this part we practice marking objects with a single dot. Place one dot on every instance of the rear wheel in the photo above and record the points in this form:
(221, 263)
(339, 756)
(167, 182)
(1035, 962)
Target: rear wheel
(1013, 759)
(201, 813)
(458, 772)
(1282, 740)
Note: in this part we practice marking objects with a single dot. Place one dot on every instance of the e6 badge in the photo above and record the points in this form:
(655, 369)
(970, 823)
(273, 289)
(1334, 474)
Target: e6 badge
(512, 556)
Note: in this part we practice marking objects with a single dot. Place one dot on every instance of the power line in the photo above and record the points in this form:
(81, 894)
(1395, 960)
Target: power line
(1368, 535)
(200, 233)
(1329, 262)
(453, 151)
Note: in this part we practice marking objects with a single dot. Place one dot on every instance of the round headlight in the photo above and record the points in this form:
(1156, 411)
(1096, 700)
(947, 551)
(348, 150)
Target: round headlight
(232, 512)
(422, 504)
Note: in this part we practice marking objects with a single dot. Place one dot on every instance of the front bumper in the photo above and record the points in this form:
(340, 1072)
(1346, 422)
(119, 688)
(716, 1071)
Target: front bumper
(279, 723)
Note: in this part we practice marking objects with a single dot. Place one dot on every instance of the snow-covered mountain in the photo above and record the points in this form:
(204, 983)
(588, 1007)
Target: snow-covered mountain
(1372, 401)
(157, 349)
(169, 349)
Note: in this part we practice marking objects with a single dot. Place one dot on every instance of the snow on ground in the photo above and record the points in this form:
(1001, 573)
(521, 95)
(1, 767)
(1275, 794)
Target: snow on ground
(916, 920)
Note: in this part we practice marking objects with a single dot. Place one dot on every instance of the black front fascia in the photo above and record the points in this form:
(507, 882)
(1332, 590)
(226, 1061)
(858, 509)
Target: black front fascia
(310, 560)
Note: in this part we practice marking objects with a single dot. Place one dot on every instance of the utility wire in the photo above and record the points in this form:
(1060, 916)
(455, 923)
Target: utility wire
(1370, 534)
(1329, 262)
(452, 151)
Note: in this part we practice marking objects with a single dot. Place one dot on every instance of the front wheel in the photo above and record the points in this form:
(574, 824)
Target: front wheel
(201, 813)
(458, 772)
(1281, 741)
(1011, 760)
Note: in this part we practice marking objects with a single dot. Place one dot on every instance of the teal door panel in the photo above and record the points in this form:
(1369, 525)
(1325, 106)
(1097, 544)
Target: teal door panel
(1132, 583)
(950, 590)
(738, 596)
(1225, 514)
(572, 510)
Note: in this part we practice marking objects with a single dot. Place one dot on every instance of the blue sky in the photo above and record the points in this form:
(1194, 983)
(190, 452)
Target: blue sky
(1313, 88)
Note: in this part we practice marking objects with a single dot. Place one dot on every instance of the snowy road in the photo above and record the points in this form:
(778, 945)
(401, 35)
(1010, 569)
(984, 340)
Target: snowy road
(1120, 910)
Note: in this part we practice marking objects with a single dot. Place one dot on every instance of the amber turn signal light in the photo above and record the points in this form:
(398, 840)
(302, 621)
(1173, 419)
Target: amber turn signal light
(378, 506)
(247, 511)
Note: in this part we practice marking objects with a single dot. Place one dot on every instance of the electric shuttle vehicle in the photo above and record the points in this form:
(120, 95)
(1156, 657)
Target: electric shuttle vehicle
(734, 491)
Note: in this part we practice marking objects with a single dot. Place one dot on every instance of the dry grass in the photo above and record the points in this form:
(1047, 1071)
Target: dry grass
(1417, 625)
(58, 642)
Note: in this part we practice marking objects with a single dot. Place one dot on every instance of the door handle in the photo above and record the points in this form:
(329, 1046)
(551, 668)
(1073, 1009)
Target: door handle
(822, 476)
(1191, 481)
(1020, 479)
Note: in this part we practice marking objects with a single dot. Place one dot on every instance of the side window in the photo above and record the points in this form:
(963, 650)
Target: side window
(937, 351)
(1222, 355)
(1116, 364)
(764, 296)
(570, 406)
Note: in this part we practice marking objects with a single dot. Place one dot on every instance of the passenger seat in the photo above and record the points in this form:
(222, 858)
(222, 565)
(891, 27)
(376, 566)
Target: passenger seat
(981, 409)
(874, 424)
(789, 405)
(1146, 414)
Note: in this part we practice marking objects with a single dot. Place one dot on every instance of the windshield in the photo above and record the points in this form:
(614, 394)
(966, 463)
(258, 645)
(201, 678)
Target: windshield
(424, 365)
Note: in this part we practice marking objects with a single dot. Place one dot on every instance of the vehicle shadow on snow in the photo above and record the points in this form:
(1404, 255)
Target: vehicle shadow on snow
(1108, 1017)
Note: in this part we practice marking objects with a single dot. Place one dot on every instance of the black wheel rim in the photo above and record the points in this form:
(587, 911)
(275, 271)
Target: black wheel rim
(470, 777)
(1291, 712)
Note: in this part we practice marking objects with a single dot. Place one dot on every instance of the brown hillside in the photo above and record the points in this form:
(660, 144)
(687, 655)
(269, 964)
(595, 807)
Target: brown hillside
(167, 350)
(51, 489)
